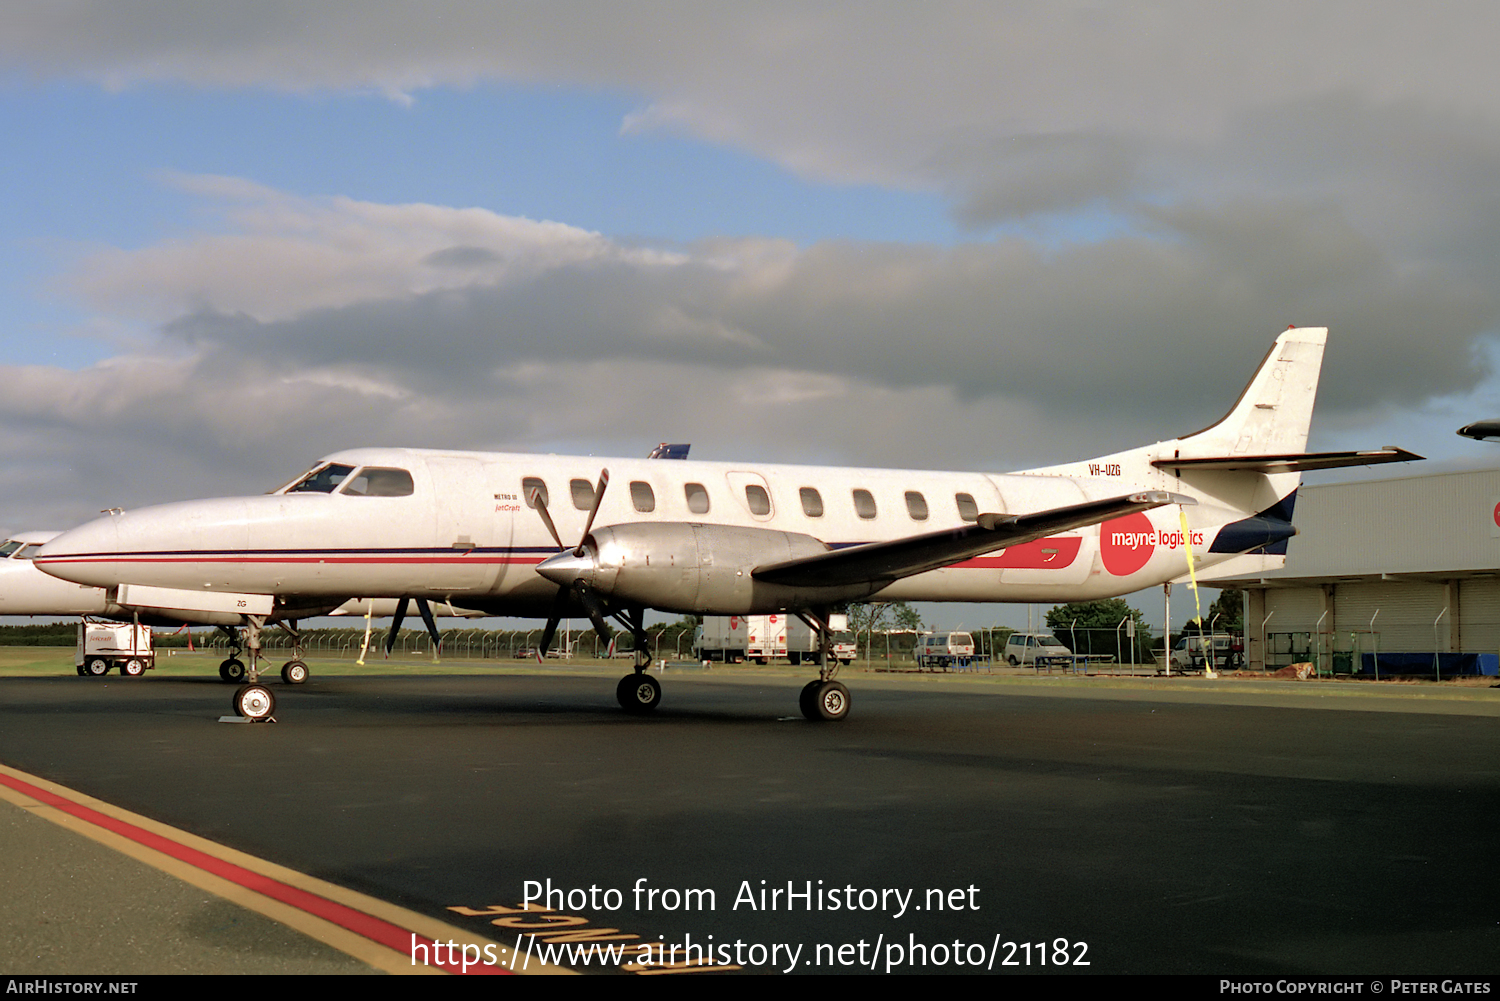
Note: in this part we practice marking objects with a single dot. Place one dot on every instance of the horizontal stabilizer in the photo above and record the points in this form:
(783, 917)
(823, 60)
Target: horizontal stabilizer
(920, 553)
(1296, 462)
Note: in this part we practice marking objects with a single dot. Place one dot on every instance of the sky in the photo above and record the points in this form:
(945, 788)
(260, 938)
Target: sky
(951, 235)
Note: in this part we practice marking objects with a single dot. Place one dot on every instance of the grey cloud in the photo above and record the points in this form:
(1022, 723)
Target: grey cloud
(1106, 328)
(461, 257)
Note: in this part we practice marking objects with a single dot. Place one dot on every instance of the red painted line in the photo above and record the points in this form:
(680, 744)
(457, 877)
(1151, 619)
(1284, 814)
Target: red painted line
(375, 929)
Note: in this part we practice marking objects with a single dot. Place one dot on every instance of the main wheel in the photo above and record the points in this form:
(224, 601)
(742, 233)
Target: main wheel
(638, 693)
(254, 702)
(97, 667)
(232, 671)
(294, 672)
(133, 668)
(828, 701)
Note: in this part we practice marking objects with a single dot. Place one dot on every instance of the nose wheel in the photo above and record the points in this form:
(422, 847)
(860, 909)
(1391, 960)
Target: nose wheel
(254, 702)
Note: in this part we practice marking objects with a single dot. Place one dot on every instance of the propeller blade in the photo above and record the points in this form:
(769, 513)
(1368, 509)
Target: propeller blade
(432, 629)
(390, 637)
(559, 609)
(595, 610)
(547, 635)
(541, 509)
(598, 499)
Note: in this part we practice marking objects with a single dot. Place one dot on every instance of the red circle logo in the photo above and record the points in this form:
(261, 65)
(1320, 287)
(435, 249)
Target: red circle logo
(772, 620)
(734, 622)
(1496, 514)
(1126, 544)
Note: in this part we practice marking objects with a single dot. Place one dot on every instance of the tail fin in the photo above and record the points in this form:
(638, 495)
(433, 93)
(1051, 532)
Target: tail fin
(1274, 413)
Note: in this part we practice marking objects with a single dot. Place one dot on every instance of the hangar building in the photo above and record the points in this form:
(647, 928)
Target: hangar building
(1402, 566)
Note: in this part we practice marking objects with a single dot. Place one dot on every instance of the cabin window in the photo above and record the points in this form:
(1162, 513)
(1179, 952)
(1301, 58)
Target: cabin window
(322, 480)
(534, 490)
(758, 499)
(375, 481)
(967, 509)
(583, 494)
(642, 496)
(697, 497)
(812, 502)
(864, 504)
(916, 506)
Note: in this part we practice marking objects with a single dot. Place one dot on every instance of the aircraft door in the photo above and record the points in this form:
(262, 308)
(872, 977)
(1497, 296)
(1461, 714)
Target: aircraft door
(462, 559)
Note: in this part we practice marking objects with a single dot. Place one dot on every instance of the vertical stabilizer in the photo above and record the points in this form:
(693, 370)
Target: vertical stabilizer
(1274, 413)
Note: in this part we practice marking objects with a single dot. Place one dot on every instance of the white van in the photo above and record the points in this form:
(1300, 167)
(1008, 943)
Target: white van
(1191, 652)
(943, 649)
(1026, 649)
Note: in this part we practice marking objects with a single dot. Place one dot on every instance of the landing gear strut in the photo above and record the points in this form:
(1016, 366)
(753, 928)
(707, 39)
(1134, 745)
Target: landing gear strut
(823, 698)
(232, 669)
(294, 671)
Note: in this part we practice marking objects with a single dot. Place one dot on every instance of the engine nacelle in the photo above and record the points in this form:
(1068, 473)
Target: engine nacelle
(690, 568)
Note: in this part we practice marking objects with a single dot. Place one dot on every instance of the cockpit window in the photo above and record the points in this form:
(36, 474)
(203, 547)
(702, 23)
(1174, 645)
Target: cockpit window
(377, 481)
(322, 480)
(11, 545)
(29, 552)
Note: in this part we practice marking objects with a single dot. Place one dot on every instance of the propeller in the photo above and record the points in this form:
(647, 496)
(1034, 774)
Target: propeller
(426, 612)
(591, 604)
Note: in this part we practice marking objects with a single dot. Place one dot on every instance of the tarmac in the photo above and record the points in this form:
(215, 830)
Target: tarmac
(951, 824)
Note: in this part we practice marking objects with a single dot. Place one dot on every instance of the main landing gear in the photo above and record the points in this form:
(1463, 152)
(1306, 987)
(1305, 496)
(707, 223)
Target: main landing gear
(823, 698)
(639, 692)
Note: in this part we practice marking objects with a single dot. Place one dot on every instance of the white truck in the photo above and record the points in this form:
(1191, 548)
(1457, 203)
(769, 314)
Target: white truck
(121, 645)
(764, 638)
(723, 638)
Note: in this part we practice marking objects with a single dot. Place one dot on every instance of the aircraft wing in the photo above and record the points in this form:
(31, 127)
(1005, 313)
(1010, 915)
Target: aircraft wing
(920, 553)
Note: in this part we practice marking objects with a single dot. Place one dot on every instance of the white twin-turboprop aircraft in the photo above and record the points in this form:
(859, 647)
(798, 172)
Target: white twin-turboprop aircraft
(516, 534)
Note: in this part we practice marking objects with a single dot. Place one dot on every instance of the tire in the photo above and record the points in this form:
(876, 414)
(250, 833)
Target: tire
(294, 672)
(232, 671)
(133, 668)
(638, 693)
(97, 667)
(806, 699)
(794, 658)
(825, 701)
(1013, 661)
(81, 672)
(254, 702)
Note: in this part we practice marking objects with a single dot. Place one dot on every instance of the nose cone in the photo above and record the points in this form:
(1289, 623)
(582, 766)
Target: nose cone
(566, 569)
(80, 555)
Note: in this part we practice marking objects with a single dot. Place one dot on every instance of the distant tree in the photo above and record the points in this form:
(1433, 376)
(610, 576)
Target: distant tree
(1228, 607)
(1106, 613)
(867, 618)
(1093, 624)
